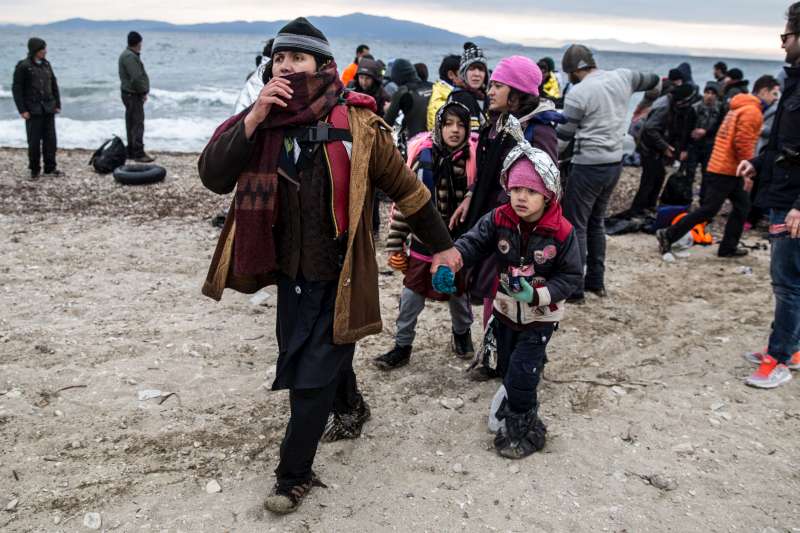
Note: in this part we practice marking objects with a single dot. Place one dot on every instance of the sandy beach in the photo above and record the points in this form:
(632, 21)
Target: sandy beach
(125, 392)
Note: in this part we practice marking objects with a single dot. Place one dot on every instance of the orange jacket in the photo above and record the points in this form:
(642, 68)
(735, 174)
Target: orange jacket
(737, 137)
(349, 73)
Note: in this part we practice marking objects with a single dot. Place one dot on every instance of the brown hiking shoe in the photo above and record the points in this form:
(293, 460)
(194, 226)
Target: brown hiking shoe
(287, 500)
(145, 158)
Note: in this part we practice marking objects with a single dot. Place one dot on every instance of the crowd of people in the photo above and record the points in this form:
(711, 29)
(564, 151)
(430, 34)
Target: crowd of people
(38, 101)
(500, 180)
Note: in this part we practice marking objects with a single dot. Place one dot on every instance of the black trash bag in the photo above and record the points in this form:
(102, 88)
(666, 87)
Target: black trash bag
(678, 190)
(109, 156)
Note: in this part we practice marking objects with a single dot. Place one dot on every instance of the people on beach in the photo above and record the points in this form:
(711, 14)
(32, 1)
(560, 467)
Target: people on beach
(474, 75)
(349, 73)
(551, 87)
(444, 160)
(665, 138)
(368, 81)
(595, 108)
(734, 84)
(134, 86)
(449, 80)
(537, 266)
(708, 113)
(736, 141)
(777, 169)
(768, 90)
(720, 71)
(320, 253)
(513, 90)
(38, 101)
(411, 99)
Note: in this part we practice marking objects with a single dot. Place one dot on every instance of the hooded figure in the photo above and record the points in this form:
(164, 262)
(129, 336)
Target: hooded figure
(411, 99)
(447, 169)
(371, 69)
(37, 98)
(301, 219)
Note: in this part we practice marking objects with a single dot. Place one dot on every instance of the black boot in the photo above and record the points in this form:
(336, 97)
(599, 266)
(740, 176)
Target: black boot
(522, 435)
(347, 425)
(462, 345)
(397, 357)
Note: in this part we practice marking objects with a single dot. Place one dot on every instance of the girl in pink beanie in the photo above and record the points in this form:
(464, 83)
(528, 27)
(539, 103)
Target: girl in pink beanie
(513, 92)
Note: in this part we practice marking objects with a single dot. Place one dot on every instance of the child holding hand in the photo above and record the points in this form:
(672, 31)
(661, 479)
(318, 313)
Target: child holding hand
(539, 266)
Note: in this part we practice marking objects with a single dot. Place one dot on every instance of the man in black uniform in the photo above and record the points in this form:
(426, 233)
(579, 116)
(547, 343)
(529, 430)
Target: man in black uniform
(37, 99)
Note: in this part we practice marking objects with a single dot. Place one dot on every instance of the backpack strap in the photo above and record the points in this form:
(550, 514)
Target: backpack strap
(338, 158)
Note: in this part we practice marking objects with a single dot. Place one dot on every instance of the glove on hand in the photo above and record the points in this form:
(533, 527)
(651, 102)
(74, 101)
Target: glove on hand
(526, 295)
(444, 280)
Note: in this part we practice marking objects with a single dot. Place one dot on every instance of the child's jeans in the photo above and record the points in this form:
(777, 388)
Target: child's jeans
(521, 356)
(412, 304)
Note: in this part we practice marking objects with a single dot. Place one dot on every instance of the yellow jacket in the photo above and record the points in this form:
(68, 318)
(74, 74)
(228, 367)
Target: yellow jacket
(551, 88)
(441, 90)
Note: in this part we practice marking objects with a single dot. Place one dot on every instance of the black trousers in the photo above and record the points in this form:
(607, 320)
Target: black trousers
(309, 413)
(41, 132)
(521, 356)
(134, 123)
(718, 189)
(653, 173)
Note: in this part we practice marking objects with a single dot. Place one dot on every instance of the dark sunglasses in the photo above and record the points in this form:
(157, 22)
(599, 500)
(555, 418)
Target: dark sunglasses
(785, 36)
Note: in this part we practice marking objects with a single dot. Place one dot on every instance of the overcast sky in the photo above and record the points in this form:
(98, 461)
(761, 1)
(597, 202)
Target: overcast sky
(752, 25)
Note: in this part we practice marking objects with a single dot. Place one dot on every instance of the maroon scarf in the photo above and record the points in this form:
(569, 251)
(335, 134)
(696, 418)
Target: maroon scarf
(257, 187)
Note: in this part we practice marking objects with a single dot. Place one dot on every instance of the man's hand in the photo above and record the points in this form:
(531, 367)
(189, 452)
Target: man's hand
(746, 170)
(669, 151)
(684, 155)
(698, 133)
(277, 92)
(748, 185)
(450, 257)
(25, 115)
(460, 213)
(793, 223)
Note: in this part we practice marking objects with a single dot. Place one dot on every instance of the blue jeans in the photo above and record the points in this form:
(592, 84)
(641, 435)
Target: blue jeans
(586, 198)
(784, 340)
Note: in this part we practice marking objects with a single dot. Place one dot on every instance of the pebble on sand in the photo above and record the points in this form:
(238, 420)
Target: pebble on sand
(213, 487)
(93, 520)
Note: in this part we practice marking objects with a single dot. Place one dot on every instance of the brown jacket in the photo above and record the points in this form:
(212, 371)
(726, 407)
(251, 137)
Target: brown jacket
(375, 162)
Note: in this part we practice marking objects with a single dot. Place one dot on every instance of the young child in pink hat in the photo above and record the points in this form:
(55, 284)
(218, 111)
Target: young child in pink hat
(538, 266)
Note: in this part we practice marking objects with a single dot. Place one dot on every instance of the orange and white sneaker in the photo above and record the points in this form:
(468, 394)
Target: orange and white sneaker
(769, 374)
(757, 357)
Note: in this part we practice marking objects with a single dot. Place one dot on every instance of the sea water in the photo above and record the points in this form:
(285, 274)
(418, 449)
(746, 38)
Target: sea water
(196, 77)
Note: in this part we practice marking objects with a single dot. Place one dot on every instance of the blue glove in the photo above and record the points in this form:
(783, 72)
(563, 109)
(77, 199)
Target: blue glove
(444, 280)
(524, 295)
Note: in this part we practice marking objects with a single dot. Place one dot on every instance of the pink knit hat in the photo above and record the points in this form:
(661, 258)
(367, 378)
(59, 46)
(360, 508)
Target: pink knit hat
(520, 73)
(523, 174)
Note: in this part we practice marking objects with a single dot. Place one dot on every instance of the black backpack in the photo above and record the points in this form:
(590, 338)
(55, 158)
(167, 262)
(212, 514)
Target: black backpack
(109, 156)
(678, 190)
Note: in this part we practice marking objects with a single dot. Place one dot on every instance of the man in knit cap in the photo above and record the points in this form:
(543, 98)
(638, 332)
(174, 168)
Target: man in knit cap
(596, 108)
(301, 219)
(36, 96)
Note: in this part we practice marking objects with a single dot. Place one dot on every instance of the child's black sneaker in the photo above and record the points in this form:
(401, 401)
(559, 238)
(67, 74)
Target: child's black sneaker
(348, 425)
(462, 346)
(397, 357)
(285, 500)
(522, 435)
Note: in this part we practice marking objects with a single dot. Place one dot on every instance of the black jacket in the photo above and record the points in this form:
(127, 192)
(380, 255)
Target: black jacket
(551, 251)
(779, 184)
(411, 98)
(709, 118)
(667, 125)
(35, 88)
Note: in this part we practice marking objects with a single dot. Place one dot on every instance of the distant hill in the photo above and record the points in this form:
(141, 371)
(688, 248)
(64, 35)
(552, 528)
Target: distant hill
(355, 26)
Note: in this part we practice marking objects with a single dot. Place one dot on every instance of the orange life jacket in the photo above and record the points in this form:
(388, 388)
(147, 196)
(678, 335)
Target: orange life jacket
(699, 233)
